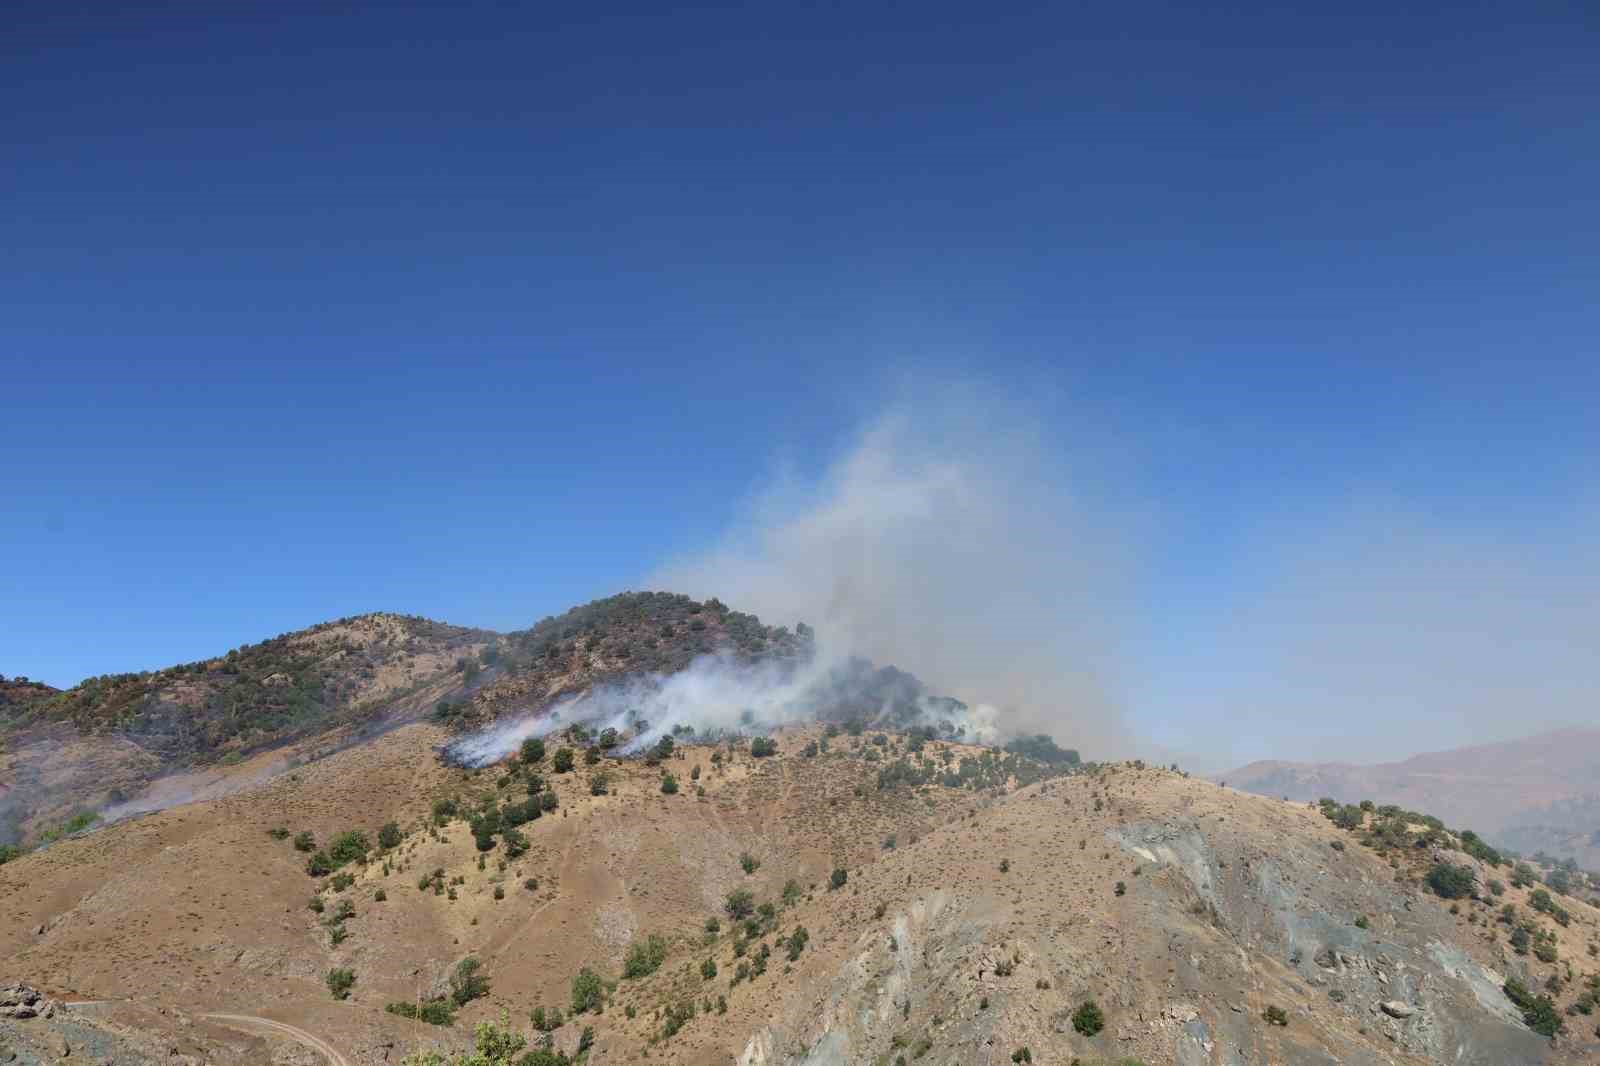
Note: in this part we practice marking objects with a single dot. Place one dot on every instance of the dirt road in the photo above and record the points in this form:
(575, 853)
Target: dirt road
(247, 1021)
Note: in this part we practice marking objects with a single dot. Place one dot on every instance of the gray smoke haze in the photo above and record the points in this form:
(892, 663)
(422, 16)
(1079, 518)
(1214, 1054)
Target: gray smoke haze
(950, 540)
(1375, 633)
(719, 695)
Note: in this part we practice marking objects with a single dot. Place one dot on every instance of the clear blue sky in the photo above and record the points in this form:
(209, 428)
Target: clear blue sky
(476, 310)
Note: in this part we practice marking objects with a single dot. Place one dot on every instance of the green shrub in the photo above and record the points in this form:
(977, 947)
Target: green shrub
(678, 1015)
(796, 943)
(340, 982)
(644, 957)
(468, 982)
(761, 747)
(740, 904)
(838, 878)
(279, 833)
(708, 969)
(1449, 881)
(349, 846)
(748, 862)
(669, 785)
(1538, 1012)
(390, 836)
(319, 865)
(304, 841)
(1088, 1019)
(546, 1020)
(1275, 1015)
(587, 991)
(563, 761)
(432, 1011)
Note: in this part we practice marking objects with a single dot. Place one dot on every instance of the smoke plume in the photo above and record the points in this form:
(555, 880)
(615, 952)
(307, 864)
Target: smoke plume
(719, 695)
(951, 540)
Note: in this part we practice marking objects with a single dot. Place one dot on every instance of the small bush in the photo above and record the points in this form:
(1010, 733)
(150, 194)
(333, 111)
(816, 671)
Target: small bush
(1449, 881)
(838, 878)
(669, 785)
(304, 841)
(1275, 1015)
(740, 904)
(467, 981)
(279, 833)
(587, 991)
(761, 747)
(708, 969)
(1088, 1019)
(644, 957)
(432, 1011)
(340, 982)
(390, 836)
(563, 761)
(1538, 1012)
(533, 751)
(749, 863)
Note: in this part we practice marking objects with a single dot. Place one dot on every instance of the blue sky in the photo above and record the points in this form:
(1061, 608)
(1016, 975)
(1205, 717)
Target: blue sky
(476, 311)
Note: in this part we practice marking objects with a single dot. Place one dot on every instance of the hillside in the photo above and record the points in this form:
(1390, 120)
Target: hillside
(120, 744)
(1538, 793)
(18, 693)
(913, 899)
(104, 741)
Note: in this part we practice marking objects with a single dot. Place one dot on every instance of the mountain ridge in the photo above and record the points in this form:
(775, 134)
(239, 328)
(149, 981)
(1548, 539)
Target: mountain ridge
(1518, 792)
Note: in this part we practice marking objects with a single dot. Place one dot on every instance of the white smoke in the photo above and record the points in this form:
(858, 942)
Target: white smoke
(717, 695)
(958, 537)
(949, 540)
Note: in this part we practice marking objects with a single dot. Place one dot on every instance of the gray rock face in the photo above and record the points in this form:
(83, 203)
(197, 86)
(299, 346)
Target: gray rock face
(22, 1001)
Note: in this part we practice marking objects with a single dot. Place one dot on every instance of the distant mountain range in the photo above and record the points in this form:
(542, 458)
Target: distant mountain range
(1540, 793)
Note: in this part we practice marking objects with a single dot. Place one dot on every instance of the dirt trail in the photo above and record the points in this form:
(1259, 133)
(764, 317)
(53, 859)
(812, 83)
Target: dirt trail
(247, 1021)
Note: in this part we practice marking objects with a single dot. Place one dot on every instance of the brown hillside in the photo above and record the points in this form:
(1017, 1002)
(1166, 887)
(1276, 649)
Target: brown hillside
(980, 929)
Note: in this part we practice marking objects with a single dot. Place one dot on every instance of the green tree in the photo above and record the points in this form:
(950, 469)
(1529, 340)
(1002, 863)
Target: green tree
(468, 981)
(1449, 881)
(588, 991)
(533, 750)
